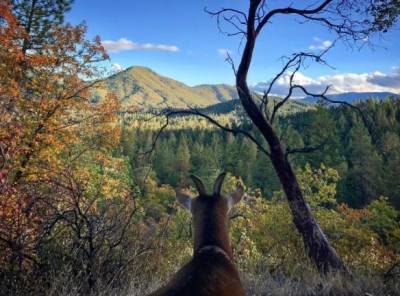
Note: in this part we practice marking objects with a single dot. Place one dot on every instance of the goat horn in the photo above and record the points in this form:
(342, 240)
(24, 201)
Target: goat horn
(199, 184)
(218, 184)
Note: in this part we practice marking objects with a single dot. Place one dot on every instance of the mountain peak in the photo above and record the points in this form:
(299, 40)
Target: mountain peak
(142, 87)
(139, 69)
(133, 70)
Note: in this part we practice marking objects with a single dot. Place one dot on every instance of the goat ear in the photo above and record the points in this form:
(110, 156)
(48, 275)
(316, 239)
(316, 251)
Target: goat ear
(183, 199)
(199, 185)
(218, 184)
(236, 196)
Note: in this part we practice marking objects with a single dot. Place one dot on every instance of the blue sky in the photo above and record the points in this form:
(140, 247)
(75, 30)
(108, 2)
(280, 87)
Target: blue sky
(176, 38)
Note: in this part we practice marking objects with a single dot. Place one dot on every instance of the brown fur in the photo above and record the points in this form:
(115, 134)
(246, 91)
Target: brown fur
(211, 270)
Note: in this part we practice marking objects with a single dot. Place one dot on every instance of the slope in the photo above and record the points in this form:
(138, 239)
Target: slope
(141, 87)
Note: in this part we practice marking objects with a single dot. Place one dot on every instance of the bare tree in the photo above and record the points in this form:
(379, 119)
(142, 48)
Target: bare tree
(353, 22)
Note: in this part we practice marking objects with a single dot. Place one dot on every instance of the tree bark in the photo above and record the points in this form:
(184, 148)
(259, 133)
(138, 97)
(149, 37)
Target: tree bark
(316, 243)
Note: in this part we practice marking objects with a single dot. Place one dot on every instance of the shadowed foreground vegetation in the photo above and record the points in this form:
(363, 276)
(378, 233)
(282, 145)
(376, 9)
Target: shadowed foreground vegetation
(268, 251)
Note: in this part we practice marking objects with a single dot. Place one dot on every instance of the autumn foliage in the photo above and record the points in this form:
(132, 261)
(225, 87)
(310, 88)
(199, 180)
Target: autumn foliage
(51, 136)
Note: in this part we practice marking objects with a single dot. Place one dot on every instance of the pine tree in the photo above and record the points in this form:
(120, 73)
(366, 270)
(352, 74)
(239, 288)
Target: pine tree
(232, 154)
(364, 180)
(39, 17)
(197, 158)
(247, 160)
(391, 151)
(182, 164)
(264, 176)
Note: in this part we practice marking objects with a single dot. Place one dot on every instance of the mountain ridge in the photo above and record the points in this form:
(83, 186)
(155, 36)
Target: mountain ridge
(142, 87)
(352, 97)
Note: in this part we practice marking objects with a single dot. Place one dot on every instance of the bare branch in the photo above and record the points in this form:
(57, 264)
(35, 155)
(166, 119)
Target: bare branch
(234, 17)
(290, 10)
(282, 102)
(325, 98)
(235, 131)
(230, 62)
(155, 139)
(305, 149)
(223, 10)
(297, 60)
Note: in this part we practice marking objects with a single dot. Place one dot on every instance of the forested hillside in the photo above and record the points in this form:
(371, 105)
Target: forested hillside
(293, 106)
(368, 164)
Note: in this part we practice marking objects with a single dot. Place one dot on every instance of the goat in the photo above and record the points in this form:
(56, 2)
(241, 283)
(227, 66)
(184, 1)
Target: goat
(211, 270)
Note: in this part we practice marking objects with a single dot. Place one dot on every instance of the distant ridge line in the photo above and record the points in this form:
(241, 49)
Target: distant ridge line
(143, 88)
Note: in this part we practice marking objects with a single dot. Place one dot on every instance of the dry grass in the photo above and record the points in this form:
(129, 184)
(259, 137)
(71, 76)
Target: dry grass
(266, 285)
(256, 285)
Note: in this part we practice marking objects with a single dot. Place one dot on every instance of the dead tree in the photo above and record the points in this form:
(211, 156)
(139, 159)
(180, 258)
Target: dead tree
(352, 21)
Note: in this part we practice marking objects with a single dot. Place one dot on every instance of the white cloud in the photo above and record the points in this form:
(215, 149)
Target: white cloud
(320, 44)
(391, 80)
(339, 83)
(119, 45)
(126, 44)
(115, 68)
(223, 52)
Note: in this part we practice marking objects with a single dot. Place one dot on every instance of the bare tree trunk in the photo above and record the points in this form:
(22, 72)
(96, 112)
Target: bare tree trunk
(316, 244)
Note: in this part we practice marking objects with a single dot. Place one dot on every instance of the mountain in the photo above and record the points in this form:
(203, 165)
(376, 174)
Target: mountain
(351, 97)
(291, 106)
(142, 87)
(220, 92)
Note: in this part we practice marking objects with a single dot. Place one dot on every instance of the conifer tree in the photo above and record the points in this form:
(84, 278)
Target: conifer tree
(182, 161)
(39, 18)
(364, 180)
